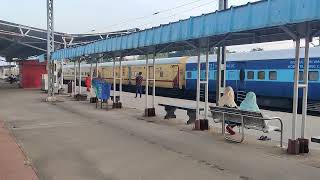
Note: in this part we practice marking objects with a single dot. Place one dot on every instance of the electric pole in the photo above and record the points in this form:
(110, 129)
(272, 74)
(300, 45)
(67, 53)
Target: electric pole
(221, 61)
(50, 50)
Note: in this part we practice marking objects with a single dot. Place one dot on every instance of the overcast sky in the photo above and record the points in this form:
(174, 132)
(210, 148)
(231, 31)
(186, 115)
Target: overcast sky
(80, 16)
(84, 16)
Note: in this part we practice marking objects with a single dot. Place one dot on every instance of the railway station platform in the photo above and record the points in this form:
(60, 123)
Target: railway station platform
(74, 140)
(312, 128)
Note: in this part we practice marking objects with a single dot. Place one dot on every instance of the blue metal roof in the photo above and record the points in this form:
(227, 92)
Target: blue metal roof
(252, 16)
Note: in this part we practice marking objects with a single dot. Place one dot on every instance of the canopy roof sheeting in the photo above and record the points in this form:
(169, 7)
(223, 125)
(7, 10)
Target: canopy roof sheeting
(262, 21)
(20, 41)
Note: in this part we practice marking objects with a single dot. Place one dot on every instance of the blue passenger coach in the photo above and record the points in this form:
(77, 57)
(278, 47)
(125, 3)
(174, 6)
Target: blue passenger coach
(270, 74)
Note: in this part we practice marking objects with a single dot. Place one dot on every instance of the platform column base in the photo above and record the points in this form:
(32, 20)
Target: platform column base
(60, 91)
(81, 97)
(293, 146)
(93, 99)
(201, 125)
(117, 105)
(303, 145)
(51, 99)
(150, 112)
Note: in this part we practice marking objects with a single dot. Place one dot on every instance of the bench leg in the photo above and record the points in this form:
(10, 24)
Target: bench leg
(170, 112)
(231, 139)
(192, 116)
(281, 134)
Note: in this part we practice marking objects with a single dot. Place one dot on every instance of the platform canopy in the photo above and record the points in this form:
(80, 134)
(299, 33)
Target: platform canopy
(20, 41)
(262, 21)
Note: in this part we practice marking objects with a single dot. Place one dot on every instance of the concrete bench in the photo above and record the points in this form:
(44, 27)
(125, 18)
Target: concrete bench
(244, 119)
(315, 139)
(170, 109)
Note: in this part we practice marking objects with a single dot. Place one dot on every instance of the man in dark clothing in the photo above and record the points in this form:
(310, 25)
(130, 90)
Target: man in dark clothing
(139, 80)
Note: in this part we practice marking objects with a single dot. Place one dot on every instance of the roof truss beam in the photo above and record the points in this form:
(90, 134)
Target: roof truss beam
(191, 44)
(289, 32)
(24, 44)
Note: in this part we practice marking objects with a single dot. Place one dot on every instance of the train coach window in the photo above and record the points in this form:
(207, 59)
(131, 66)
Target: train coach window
(161, 73)
(313, 76)
(242, 75)
(189, 75)
(250, 75)
(261, 75)
(300, 75)
(273, 75)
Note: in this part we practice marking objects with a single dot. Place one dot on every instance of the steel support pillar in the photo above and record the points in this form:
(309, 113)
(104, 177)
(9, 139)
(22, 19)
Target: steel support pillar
(120, 81)
(10, 68)
(147, 82)
(154, 80)
(91, 74)
(50, 49)
(295, 88)
(198, 85)
(97, 68)
(61, 75)
(207, 83)
(221, 62)
(221, 73)
(114, 80)
(305, 87)
(62, 64)
(75, 79)
(300, 145)
(202, 124)
(149, 112)
(223, 4)
(117, 102)
(80, 77)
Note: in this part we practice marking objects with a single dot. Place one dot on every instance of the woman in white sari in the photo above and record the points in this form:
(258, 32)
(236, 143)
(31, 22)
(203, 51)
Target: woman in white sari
(227, 100)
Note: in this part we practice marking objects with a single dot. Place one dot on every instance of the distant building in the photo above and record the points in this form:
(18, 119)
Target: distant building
(6, 69)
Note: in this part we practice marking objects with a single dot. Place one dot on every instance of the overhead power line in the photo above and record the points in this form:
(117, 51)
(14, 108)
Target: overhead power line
(190, 9)
(177, 7)
(153, 14)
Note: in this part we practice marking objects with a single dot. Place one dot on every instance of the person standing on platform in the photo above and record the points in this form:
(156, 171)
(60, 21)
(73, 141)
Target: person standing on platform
(88, 83)
(139, 80)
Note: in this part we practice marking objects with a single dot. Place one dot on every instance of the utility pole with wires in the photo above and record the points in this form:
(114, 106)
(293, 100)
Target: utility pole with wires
(50, 50)
(221, 62)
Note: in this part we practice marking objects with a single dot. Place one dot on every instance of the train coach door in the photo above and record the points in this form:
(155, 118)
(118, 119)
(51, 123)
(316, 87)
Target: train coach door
(129, 75)
(241, 83)
(176, 76)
